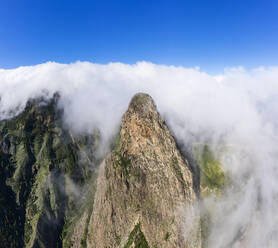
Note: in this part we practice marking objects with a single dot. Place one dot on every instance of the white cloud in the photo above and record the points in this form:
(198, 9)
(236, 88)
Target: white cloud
(238, 106)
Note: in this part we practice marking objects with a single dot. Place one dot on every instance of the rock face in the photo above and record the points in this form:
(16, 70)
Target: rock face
(40, 168)
(145, 187)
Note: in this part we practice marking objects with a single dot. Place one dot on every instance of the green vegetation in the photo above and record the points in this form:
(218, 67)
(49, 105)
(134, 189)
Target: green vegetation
(167, 236)
(177, 171)
(137, 238)
(123, 163)
(212, 175)
(117, 239)
(89, 205)
(37, 158)
(11, 217)
(205, 227)
(212, 180)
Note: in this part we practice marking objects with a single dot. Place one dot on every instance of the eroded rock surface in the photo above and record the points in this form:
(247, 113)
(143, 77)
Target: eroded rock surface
(145, 195)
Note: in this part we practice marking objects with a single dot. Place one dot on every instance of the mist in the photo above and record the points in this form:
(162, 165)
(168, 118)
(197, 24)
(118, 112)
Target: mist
(237, 107)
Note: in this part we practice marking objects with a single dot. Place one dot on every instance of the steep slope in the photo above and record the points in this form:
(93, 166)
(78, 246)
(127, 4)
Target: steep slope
(40, 169)
(142, 196)
(145, 195)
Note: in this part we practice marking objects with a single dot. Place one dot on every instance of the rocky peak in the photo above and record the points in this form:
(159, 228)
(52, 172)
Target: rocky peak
(142, 104)
(141, 126)
(144, 187)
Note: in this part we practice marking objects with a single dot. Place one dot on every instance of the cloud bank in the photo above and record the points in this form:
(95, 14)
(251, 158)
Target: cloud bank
(237, 107)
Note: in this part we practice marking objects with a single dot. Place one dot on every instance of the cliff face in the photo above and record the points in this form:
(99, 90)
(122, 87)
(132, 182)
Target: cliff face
(141, 195)
(40, 165)
(144, 186)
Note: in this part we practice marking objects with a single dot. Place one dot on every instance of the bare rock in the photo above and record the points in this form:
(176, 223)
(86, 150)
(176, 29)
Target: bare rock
(145, 187)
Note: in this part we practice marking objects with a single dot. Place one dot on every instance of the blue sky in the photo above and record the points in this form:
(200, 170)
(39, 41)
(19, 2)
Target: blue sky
(209, 34)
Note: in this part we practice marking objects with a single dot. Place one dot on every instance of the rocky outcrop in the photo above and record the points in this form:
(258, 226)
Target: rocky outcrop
(145, 195)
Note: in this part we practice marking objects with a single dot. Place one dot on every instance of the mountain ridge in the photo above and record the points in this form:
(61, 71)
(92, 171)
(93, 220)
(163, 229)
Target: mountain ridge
(134, 199)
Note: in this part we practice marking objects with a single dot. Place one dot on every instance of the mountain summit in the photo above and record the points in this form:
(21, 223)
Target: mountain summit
(144, 187)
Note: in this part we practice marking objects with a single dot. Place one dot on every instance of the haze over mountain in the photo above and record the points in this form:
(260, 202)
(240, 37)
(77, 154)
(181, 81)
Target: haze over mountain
(234, 114)
(143, 123)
